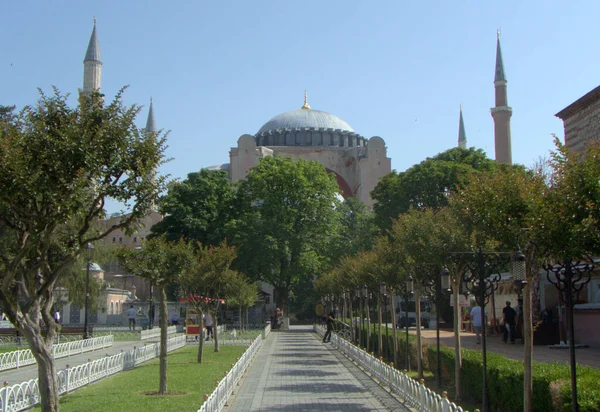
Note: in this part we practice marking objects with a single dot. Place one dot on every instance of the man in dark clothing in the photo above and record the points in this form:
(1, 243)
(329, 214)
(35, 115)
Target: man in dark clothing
(330, 319)
(510, 321)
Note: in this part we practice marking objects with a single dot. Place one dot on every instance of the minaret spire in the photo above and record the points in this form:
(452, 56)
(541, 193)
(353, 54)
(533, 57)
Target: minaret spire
(150, 123)
(462, 136)
(92, 65)
(501, 112)
(305, 106)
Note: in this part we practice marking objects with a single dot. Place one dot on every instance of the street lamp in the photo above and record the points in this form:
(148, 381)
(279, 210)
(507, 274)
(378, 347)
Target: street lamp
(406, 293)
(569, 278)
(89, 254)
(481, 278)
(383, 292)
(440, 284)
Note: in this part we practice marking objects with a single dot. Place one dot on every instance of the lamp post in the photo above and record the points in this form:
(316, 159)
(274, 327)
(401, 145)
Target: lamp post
(569, 278)
(383, 292)
(89, 254)
(481, 279)
(441, 283)
(406, 292)
(368, 316)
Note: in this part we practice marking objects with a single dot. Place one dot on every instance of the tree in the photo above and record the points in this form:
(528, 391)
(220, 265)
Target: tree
(207, 282)
(287, 219)
(241, 294)
(499, 205)
(57, 166)
(426, 184)
(198, 208)
(161, 262)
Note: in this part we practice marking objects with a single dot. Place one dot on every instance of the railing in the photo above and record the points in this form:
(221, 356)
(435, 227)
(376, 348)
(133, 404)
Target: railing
(216, 400)
(414, 393)
(18, 358)
(155, 332)
(266, 331)
(25, 395)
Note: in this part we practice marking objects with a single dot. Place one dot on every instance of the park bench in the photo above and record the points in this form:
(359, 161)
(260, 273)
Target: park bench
(74, 330)
(192, 333)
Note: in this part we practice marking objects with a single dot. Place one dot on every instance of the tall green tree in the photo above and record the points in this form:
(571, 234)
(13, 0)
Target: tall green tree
(197, 208)
(288, 218)
(427, 184)
(58, 165)
(161, 262)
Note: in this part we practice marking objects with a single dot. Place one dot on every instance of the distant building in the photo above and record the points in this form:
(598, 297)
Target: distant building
(581, 120)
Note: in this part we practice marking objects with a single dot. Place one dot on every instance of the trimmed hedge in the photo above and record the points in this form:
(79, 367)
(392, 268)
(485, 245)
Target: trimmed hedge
(551, 381)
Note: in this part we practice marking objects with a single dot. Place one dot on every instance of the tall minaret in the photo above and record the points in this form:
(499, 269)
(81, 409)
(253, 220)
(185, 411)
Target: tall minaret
(150, 123)
(502, 112)
(92, 66)
(462, 136)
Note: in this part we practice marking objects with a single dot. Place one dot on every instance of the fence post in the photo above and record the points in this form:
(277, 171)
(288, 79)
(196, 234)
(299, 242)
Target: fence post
(68, 379)
(5, 396)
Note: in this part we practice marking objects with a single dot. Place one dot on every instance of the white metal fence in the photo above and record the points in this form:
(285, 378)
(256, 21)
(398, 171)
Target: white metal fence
(155, 332)
(25, 395)
(18, 358)
(216, 401)
(414, 393)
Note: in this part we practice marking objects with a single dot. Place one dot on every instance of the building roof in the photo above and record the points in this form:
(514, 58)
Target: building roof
(305, 118)
(93, 50)
(500, 75)
(579, 104)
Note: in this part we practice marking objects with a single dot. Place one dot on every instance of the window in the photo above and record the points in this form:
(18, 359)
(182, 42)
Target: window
(134, 239)
(114, 239)
(120, 240)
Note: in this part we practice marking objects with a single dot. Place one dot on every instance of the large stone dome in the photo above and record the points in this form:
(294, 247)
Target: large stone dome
(307, 127)
(305, 118)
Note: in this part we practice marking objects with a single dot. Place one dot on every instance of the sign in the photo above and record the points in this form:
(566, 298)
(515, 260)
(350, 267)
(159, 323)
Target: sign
(319, 309)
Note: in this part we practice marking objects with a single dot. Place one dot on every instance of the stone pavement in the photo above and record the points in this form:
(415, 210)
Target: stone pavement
(541, 353)
(295, 371)
(14, 376)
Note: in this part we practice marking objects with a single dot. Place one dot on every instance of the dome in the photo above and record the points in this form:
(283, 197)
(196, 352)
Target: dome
(305, 118)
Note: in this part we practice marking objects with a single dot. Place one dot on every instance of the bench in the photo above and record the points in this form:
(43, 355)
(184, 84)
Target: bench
(74, 330)
(192, 333)
(13, 334)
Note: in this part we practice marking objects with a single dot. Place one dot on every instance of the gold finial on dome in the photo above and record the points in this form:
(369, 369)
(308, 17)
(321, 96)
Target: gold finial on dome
(305, 106)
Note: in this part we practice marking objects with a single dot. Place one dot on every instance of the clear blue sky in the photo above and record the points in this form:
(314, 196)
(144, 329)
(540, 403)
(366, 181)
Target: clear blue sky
(395, 69)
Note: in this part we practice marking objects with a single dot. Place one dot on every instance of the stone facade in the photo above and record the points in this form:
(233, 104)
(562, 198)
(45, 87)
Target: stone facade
(581, 120)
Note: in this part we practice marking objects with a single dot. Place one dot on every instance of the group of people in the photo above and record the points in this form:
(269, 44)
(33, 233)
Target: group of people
(511, 321)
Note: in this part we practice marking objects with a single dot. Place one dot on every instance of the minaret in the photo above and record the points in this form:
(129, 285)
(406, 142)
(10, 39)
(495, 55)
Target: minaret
(150, 124)
(462, 136)
(92, 66)
(502, 112)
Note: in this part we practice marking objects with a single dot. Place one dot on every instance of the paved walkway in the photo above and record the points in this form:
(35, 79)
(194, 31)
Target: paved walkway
(541, 353)
(14, 376)
(295, 371)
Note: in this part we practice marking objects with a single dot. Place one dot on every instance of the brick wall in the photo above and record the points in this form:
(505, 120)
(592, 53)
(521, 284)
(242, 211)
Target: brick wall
(582, 127)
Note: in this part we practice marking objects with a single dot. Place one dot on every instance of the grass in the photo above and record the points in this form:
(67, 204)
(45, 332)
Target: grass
(431, 383)
(127, 390)
(12, 348)
(120, 336)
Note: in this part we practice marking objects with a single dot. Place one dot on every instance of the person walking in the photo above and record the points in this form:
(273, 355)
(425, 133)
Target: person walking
(330, 319)
(131, 313)
(476, 321)
(208, 322)
(510, 320)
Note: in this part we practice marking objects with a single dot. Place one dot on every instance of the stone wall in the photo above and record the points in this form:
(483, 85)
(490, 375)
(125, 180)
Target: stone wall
(582, 126)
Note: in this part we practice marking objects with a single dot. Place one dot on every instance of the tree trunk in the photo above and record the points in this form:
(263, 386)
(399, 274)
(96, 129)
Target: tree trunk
(240, 316)
(162, 386)
(457, 343)
(418, 324)
(215, 330)
(42, 351)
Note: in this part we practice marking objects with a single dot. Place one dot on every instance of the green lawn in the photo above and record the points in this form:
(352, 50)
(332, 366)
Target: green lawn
(125, 391)
(12, 348)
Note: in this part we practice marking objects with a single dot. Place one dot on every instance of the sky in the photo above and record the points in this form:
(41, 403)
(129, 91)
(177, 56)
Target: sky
(395, 69)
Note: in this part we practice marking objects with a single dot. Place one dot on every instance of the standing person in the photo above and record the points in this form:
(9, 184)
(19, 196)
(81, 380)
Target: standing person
(510, 320)
(131, 313)
(476, 321)
(330, 319)
(57, 316)
(208, 322)
(175, 319)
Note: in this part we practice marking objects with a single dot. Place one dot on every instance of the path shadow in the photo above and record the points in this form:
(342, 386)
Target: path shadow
(307, 372)
(320, 388)
(301, 354)
(319, 407)
(313, 362)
